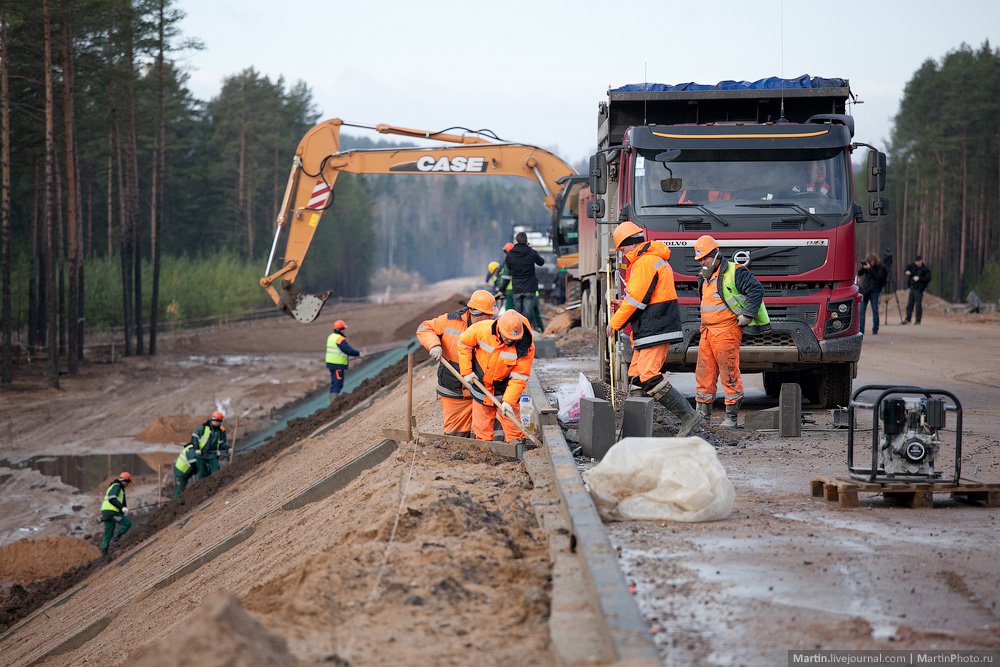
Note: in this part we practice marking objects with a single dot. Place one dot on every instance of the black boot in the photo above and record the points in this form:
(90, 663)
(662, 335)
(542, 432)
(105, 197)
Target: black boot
(674, 401)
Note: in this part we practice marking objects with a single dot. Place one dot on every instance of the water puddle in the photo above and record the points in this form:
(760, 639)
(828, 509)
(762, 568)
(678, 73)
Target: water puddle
(87, 472)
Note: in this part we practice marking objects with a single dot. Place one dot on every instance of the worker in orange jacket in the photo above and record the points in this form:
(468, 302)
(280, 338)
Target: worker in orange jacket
(499, 354)
(440, 337)
(732, 302)
(650, 306)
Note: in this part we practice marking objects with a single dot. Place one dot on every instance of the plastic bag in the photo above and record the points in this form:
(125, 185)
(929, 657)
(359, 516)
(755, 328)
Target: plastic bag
(673, 479)
(569, 401)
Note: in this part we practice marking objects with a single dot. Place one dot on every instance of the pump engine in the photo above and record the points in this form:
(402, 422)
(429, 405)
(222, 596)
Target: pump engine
(909, 440)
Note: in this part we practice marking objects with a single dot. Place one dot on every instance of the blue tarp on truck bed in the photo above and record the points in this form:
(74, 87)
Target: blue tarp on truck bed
(770, 83)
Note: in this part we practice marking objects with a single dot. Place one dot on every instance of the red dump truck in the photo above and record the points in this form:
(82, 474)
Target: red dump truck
(739, 160)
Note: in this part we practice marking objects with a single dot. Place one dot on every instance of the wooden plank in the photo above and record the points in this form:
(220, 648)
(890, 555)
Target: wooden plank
(910, 494)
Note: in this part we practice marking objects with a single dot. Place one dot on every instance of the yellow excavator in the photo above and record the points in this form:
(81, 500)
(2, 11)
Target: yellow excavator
(318, 161)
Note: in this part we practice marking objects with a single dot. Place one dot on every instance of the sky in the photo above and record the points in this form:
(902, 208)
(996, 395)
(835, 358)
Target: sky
(534, 71)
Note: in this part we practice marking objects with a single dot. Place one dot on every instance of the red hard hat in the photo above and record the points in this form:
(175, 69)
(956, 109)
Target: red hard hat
(508, 247)
(218, 415)
(124, 477)
(340, 324)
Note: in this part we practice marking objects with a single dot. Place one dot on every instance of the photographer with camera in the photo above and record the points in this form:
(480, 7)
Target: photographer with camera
(872, 277)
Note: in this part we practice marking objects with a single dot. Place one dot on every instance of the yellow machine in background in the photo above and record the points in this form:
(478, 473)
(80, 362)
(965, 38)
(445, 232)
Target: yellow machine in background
(318, 161)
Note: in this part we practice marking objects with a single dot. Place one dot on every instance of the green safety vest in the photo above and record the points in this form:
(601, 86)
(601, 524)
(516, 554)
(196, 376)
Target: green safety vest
(334, 355)
(106, 505)
(183, 464)
(735, 301)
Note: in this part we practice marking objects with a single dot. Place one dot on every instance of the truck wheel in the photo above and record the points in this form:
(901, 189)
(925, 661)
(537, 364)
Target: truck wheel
(774, 379)
(834, 387)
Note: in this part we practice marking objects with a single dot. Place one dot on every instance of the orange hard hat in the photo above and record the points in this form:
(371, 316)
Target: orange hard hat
(483, 301)
(626, 231)
(124, 477)
(511, 325)
(704, 245)
(508, 247)
(218, 415)
(340, 324)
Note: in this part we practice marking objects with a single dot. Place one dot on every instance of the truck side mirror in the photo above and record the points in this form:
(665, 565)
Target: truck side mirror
(875, 171)
(599, 174)
(595, 209)
(877, 207)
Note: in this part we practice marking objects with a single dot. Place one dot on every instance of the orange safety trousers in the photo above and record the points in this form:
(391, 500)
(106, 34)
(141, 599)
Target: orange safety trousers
(457, 414)
(647, 361)
(482, 422)
(719, 358)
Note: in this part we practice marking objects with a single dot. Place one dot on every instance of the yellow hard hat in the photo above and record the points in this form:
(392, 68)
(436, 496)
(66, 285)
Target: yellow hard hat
(704, 245)
(625, 231)
(493, 266)
(483, 301)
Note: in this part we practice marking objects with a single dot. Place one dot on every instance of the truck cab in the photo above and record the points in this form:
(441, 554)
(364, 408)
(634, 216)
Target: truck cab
(767, 172)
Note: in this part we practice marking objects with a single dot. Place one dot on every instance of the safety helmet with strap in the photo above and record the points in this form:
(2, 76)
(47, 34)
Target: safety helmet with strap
(704, 245)
(625, 231)
(511, 325)
(483, 301)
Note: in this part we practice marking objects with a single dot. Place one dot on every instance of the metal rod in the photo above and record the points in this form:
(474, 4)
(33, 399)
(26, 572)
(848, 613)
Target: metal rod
(409, 397)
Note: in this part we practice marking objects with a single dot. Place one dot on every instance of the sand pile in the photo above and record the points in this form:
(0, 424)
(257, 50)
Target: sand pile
(34, 560)
(169, 428)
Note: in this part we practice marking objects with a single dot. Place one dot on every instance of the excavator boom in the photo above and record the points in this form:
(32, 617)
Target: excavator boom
(318, 161)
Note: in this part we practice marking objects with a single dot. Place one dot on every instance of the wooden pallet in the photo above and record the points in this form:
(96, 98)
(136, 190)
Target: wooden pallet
(910, 494)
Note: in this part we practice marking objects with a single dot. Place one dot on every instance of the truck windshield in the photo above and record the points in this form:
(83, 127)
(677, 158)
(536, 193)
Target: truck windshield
(762, 181)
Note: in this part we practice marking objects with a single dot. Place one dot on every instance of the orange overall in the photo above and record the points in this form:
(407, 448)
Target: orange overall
(504, 371)
(719, 347)
(456, 403)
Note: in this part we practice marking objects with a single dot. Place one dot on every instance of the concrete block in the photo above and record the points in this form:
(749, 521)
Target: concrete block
(761, 420)
(596, 428)
(545, 348)
(790, 410)
(638, 418)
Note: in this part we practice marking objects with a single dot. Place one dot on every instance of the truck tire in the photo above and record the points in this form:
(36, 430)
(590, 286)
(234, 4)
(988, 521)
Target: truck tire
(834, 386)
(774, 379)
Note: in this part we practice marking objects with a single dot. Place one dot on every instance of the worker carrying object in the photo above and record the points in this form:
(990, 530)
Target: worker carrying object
(440, 337)
(732, 303)
(337, 352)
(498, 353)
(209, 439)
(114, 510)
(185, 467)
(650, 306)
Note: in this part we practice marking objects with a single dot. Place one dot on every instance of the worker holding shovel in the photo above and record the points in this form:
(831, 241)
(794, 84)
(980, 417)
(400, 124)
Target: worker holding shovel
(440, 337)
(497, 356)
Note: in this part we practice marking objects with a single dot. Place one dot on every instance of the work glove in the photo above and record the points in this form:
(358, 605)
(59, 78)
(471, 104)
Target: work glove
(609, 331)
(124, 510)
(468, 378)
(743, 320)
(435, 353)
(508, 411)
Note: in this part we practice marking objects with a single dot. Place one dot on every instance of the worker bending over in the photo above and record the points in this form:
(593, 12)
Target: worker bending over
(732, 302)
(185, 467)
(650, 306)
(114, 510)
(498, 353)
(440, 337)
(209, 439)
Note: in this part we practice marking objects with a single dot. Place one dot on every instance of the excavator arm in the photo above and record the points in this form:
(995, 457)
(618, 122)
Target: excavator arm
(318, 161)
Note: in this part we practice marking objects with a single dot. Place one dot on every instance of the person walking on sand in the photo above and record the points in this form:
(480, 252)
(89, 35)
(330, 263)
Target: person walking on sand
(209, 439)
(114, 511)
(872, 277)
(337, 352)
(918, 276)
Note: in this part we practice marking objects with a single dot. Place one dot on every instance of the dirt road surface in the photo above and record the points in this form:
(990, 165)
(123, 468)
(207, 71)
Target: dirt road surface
(434, 557)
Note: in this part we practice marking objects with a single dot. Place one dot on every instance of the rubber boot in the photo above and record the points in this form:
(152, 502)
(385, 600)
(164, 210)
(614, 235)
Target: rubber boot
(705, 409)
(675, 402)
(731, 414)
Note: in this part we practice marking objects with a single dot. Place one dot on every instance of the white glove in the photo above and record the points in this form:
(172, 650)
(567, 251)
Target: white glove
(743, 320)
(435, 352)
(469, 378)
(124, 510)
(507, 411)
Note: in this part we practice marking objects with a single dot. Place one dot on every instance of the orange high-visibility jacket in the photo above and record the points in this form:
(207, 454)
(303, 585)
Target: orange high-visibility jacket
(651, 303)
(503, 369)
(444, 330)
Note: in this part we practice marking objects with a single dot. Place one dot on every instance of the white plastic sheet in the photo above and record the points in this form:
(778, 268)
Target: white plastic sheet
(569, 401)
(672, 479)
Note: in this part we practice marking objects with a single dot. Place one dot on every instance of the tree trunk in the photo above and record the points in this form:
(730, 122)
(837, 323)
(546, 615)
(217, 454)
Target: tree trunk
(132, 177)
(73, 254)
(6, 309)
(156, 196)
(52, 322)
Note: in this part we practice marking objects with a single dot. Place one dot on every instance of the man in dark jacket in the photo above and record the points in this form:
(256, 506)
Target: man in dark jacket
(521, 260)
(917, 278)
(872, 277)
(209, 439)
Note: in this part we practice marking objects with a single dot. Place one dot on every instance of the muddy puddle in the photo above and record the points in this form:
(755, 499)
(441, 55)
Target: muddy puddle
(88, 472)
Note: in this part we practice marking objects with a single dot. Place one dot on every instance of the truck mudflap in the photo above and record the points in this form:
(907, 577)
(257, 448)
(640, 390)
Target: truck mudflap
(787, 344)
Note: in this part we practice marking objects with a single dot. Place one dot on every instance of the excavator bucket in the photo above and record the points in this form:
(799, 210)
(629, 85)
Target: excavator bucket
(303, 307)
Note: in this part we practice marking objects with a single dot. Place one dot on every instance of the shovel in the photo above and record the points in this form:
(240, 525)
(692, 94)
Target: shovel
(492, 398)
